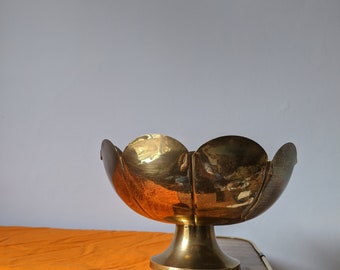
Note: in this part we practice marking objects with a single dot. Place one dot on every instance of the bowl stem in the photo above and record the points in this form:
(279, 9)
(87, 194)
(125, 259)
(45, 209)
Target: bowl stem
(194, 247)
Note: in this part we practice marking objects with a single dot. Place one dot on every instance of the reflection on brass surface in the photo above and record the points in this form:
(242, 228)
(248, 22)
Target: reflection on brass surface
(227, 180)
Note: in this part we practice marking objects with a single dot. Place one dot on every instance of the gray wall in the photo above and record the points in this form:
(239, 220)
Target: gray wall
(75, 72)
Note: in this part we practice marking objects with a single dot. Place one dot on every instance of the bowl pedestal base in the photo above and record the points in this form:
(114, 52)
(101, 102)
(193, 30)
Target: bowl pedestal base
(194, 247)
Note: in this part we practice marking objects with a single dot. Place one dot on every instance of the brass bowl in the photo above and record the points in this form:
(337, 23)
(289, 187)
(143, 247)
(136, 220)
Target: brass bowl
(226, 181)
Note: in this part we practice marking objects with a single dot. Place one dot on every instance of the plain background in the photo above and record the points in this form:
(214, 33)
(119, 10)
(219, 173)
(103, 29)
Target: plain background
(75, 72)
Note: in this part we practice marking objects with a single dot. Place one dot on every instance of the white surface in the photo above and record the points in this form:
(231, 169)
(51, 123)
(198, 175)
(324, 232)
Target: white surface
(75, 72)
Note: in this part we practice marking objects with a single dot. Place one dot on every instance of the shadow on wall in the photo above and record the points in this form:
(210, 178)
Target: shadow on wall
(325, 254)
(278, 264)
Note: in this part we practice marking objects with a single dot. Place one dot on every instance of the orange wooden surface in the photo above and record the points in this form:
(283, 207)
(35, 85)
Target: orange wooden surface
(47, 248)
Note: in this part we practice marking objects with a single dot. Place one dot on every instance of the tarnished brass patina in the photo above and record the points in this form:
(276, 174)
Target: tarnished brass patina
(226, 181)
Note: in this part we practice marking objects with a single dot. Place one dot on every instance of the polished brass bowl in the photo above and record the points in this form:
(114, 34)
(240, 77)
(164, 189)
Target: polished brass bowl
(226, 181)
